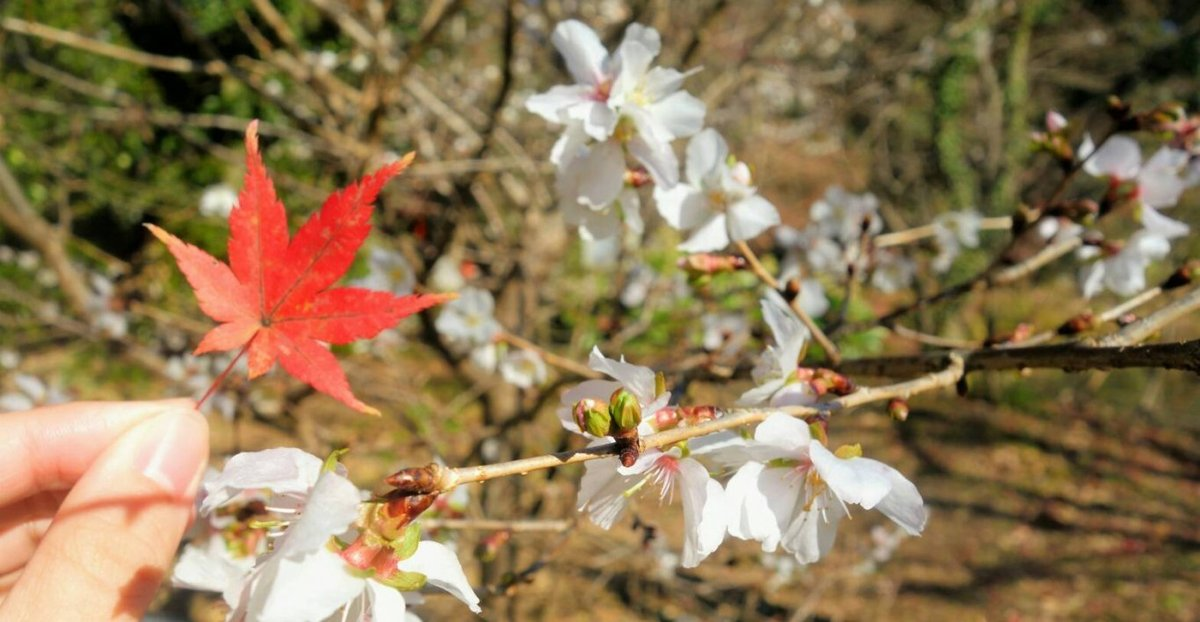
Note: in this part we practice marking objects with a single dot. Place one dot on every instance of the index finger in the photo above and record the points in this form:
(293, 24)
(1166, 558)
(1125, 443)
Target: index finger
(50, 448)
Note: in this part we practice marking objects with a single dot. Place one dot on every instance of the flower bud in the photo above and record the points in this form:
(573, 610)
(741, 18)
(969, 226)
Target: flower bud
(1185, 275)
(898, 409)
(489, 547)
(1055, 121)
(666, 418)
(592, 417)
(625, 410)
(695, 415)
(1081, 323)
(703, 264)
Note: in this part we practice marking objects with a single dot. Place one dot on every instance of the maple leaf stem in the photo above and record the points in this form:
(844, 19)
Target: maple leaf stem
(221, 378)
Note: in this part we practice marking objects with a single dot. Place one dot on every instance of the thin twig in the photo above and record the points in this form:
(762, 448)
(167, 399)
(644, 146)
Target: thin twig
(835, 356)
(102, 48)
(908, 236)
(550, 357)
(484, 524)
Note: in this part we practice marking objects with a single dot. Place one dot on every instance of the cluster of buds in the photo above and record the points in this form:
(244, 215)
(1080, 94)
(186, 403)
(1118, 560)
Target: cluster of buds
(672, 416)
(619, 418)
(1055, 141)
(825, 381)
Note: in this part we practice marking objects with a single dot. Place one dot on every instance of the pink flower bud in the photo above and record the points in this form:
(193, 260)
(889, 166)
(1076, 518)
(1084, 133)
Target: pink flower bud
(1055, 122)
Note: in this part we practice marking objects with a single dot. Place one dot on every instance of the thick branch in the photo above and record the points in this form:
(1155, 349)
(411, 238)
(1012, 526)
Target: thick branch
(1068, 357)
(19, 216)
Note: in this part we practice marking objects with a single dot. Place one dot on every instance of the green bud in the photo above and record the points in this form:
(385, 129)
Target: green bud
(592, 417)
(625, 410)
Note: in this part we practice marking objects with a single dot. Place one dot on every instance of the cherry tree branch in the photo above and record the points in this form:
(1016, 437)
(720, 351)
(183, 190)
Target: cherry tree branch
(550, 357)
(916, 234)
(20, 217)
(729, 419)
(769, 280)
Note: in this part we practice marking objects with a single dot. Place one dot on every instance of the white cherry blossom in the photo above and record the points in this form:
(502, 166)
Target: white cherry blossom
(607, 486)
(388, 270)
(1123, 273)
(775, 373)
(797, 491)
(468, 321)
(1159, 181)
(717, 203)
(523, 368)
(954, 231)
(636, 379)
(218, 200)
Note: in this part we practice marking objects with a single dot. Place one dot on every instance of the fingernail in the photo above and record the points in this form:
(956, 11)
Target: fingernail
(173, 450)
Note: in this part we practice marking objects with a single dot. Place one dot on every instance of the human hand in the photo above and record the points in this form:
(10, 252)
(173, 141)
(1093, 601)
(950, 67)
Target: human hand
(94, 499)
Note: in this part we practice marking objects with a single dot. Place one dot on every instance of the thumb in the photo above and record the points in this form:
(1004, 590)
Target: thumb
(114, 537)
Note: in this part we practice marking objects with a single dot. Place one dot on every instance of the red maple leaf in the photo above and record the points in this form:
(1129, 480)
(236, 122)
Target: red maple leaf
(275, 298)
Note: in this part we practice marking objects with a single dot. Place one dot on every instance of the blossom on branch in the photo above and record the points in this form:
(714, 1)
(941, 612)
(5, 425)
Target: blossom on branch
(796, 491)
(717, 204)
(309, 572)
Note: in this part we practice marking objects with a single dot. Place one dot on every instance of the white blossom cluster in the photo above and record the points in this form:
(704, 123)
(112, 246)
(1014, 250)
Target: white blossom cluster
(782, 487)
(621, 108)
(469, 324)
(1155, 184)
(274, 530)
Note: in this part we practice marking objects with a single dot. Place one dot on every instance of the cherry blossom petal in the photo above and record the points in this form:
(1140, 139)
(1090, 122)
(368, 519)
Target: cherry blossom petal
(1165, 227)
(680, 113)
(790, 333)
(594, 178)
(763, 499)
(705, 512)
(658, 158)
(811, 534)
(308, 590)
(1091, 279)
(581, 50)
(787, 435)
(639, 380)
(861, 481)
(645, 36)
(762, 393)
(443, 570)
(1118, 157)
(904, 504)
(282, 471)
(750, 217)
(383, 603)
(331, 507)
(711, 236)
(210, 567)
(602, 492)
(554, 103)
(706, 151)
(683, 206)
